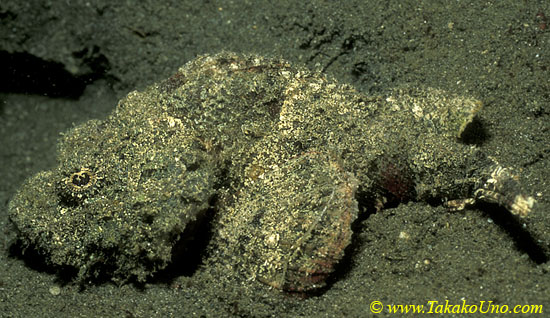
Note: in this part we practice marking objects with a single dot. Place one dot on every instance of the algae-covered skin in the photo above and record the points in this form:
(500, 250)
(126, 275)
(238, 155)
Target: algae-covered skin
(289, 228)
(283, 156)
(125, 189)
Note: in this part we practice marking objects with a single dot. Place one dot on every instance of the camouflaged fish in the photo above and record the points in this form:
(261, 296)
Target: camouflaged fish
(283, 157)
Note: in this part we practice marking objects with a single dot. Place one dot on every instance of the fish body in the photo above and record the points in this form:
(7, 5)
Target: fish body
(283, 157)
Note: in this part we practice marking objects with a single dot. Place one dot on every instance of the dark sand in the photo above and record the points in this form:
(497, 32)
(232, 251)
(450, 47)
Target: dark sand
(86, 56)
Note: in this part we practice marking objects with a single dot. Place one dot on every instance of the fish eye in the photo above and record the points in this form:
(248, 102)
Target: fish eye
(81, 180)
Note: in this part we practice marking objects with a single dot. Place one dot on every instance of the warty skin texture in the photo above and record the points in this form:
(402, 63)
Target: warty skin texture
(283, 157)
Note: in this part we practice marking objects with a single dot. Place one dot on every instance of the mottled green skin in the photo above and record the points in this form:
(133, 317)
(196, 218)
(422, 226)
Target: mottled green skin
(151, 180)
(290, 227)
(281, 154)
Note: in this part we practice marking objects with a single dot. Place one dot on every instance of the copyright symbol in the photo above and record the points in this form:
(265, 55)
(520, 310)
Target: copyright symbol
(376, 307)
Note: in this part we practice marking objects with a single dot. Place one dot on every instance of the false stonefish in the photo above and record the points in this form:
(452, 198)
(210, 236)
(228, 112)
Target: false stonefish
(278, 160)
